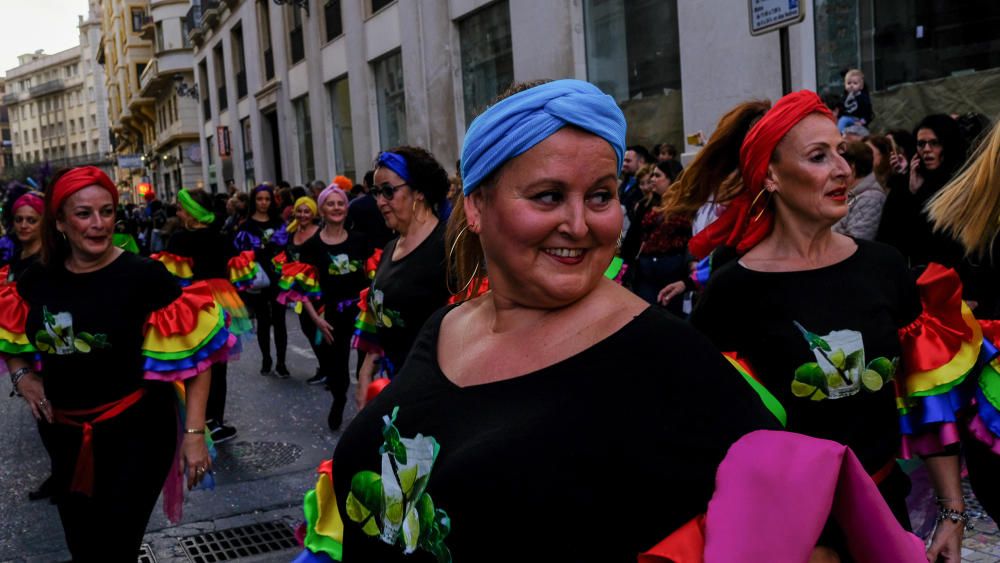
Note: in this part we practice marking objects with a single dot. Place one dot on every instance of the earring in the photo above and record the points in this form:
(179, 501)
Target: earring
(474, 227)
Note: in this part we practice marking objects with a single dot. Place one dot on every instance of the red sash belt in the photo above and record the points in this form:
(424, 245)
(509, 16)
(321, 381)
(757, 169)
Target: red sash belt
(83, 475)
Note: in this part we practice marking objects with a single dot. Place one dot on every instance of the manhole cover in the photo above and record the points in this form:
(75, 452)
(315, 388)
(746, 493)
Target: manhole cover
(256, 456)
(234, 543)
(146, 554)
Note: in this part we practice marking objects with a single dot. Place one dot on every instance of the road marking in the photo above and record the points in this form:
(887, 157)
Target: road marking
(304, 352)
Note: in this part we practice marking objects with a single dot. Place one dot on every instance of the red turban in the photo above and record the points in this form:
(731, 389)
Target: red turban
(747, 219)
(29, 200)
(78, 179)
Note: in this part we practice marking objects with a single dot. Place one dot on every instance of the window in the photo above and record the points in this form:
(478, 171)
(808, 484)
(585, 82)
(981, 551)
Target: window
(218, 64)
(899, 42)
(159, 36)
(264, 29)
(72, 127)
(303, 126)
(81, 124)
(93, 120)
(139, 69)
(206, 106)
(296, 42)
(248, 172)
(391, 100)
(379, 4)
(487, 57)
(239, 62)
(138, 19)
(332, 24)
(343, 134)
(633, 54)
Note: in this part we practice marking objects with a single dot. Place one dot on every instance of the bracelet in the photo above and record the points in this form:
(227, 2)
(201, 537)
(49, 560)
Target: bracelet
(194, 431)
(16, 378)
(955, 516)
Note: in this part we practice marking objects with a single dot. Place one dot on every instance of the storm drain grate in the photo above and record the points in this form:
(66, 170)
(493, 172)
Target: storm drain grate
(146, 554)
(256, 456)
(244, 541)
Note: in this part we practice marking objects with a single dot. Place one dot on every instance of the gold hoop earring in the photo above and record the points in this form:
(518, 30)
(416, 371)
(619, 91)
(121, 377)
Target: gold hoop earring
(762, 209)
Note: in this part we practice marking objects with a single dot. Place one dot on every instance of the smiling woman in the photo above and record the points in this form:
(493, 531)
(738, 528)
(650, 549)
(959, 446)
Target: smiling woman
(513, 409)
(113, 331)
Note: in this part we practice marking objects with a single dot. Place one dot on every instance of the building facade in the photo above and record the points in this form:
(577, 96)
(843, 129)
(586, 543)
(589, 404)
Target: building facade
(55, 105)
(6, 140)
(149, 80)
(299, 90)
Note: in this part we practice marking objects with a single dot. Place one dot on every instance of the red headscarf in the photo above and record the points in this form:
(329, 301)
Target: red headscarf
(29, 200)
(747, 220)
(78, 179)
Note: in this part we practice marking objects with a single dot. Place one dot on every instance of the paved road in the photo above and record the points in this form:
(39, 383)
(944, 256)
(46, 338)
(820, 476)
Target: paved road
(261, 474)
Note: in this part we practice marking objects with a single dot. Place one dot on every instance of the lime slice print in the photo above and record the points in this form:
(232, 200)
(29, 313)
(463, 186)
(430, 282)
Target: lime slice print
(838, 358)
(884, 366)
(81, 346)
(834, 380)
(802, 390)
(872, 380)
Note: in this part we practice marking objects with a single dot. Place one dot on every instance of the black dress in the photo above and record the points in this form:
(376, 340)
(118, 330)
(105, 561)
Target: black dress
(406, 292)
(595, 458)
(341, 269)
(263, 304)
(824, 343)
(89, 329)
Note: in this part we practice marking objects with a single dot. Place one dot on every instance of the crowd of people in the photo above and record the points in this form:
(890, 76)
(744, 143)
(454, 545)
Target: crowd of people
(796, 279)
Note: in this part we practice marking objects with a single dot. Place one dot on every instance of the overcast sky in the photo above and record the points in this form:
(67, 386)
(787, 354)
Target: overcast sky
(29, 25)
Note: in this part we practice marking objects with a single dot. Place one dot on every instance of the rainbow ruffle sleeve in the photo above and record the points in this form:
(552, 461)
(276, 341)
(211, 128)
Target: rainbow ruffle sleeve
(322, 533)
(365, 328)
(299, 282)
(226, 295)
(184, 338)
(13, 315)
(178, 266)
(371, 265)
(279, 262)
(985, 421)
(941, 348)
(243, 269)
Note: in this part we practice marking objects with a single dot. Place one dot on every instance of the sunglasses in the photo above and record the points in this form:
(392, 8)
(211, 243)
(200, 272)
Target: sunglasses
(385, 190)
(934, 143)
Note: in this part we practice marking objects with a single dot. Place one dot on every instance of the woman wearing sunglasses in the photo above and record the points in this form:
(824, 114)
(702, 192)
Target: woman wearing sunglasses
(410, 281)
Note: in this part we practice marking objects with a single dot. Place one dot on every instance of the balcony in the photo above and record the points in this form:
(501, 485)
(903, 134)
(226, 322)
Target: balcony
(46, 87)
(210, 12)
(9, 99)
(241, 84)
(192, 24)
(148, 30)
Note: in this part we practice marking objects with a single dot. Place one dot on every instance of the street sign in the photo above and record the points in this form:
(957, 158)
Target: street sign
(769, 15)
(129, 161)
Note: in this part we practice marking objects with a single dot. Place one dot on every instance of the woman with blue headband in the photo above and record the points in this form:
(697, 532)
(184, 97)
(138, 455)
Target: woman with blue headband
(534, 422)
(409, 283)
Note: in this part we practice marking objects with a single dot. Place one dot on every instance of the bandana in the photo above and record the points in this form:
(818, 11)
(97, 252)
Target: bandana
(748, 220)
(264, 188)
(329, 191)
(396, 163)
(520, 122)
(194, 209)
(78, 179)
(29, 200)
(308, 202)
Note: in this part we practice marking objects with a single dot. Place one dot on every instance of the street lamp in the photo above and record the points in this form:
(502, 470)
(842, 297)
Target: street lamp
(185, 89)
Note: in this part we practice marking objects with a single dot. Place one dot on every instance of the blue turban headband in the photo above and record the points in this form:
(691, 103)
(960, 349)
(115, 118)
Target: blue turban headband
(517, 123)
(394, 162)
